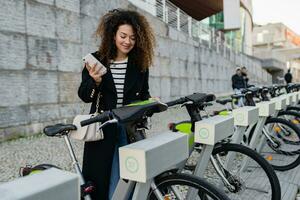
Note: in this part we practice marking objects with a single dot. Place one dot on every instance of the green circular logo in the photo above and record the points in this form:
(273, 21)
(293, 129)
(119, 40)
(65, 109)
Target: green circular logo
(132, 164)
(203, 133)
(239, 117)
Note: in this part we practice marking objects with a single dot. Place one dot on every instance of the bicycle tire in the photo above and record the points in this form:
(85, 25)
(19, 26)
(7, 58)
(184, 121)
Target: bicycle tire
(294, 119)
(205, 189)
(258, 165)
(293, 157)
(285, 138)
(295, 108)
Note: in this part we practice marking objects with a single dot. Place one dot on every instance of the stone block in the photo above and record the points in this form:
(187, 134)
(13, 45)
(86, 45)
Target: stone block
(182, 68)
(13, 116)
(14, 89)
(204, 85)
(163, 47)
(70, 110)
(40, 19)
(155, 86)
(155, 69)
(72, 5)
(173, 34)
(86, 48)
(174, 68)
(165, 87)
(175, 87)
(12, 15)
(87, 7)
(158, 27)
(68, 87)
(68, 25)
(46, 112)
(43, 87)
(49, 2)
(69, 56)
(198, 85)
(164, 66)
(184, 87)
(12, 51)
(182, 51)
(42, 53)
(192, 86)
(192, 70)
(88, 28)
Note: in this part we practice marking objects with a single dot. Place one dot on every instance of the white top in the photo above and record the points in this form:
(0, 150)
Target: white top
(118, 71)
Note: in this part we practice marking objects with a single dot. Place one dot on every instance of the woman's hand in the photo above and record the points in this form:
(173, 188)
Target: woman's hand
(94, 72)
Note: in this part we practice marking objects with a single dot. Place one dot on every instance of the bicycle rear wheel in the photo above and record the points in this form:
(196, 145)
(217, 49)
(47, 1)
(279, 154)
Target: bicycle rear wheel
(176, 186)
(248, 174)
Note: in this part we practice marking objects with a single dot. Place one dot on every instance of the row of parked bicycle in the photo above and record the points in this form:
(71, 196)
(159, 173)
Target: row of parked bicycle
(237, 149)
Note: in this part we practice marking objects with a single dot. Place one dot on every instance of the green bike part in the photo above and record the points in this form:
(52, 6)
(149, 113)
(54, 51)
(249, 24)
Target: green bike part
(140, 103)
(185, 127)
(224, 113)
(35, 172)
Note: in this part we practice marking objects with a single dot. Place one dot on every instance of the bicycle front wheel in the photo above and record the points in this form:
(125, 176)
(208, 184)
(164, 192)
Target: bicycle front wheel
(249, 176)
(282, 151)
(176, 186)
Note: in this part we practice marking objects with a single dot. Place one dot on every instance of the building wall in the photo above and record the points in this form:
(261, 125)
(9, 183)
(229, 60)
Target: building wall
(41, 46)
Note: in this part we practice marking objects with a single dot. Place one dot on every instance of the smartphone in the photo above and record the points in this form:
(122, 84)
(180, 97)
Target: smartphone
(91, 60)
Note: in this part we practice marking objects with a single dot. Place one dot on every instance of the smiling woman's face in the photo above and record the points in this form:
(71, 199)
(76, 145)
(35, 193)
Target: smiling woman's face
(124, 39)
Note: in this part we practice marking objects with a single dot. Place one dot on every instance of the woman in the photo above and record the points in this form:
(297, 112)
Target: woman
(126, 50)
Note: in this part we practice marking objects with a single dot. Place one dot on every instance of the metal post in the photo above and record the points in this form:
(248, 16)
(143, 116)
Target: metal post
(190, 26)
(199, 32)
(201, 166)
(218, 39)
(238, 134)
(141, 190)
(164, 10)
(178, 19)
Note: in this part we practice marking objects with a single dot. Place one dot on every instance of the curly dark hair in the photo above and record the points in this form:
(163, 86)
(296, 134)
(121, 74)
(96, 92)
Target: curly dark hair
(143, 50)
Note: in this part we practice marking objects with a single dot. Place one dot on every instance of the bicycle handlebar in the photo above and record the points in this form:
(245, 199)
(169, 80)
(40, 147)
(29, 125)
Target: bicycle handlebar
(176, 102)
(103, 117)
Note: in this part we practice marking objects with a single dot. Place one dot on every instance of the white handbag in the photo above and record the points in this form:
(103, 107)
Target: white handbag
(90, 132)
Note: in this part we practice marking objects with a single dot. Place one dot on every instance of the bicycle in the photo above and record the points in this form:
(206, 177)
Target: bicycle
(280, 135)
(165, 185)
(237, 182)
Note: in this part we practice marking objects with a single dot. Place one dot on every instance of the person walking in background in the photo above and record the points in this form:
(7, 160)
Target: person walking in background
(127, 51)
(288, 77)
(238, 83)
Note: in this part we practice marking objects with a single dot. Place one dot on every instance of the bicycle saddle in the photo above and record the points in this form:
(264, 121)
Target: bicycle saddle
(58, 129)
(136, 111)
(200, 98)
(223, 101)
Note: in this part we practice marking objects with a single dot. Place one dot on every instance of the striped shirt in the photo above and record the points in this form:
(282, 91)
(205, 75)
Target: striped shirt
(118, 71)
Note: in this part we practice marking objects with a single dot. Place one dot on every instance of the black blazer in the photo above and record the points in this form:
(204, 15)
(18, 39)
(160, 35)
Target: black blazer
(98, 155)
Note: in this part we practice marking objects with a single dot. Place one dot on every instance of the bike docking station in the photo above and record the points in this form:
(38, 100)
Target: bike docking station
(266, 109)
(295, 98)
(289, 99)
(46, 185)
(208, 132)
(142, 161)
(244, 117)
(280, 104)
